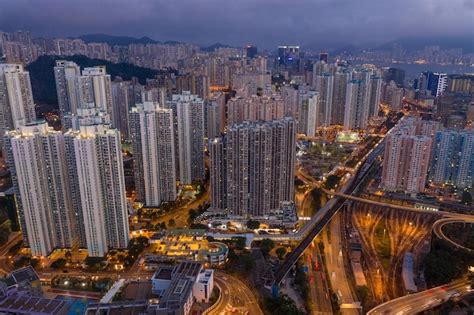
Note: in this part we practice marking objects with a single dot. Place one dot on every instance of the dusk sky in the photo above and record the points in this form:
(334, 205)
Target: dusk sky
(263, 22)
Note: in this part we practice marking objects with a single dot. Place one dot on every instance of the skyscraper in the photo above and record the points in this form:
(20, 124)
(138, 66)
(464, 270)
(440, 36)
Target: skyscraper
(324, 85)
(339, 97)
(16, 98)
(99, 177)
(453, 158)
(190, 123)
(406, 158)
(309, 113)
(393, 96)
(94, 86)
(356, 113)
(65, 74)
(323, 56)
(251, 51)
(153, 153)
(434, 83)
(121, 104)
(37, 162)
(253, 166)
(375, 95)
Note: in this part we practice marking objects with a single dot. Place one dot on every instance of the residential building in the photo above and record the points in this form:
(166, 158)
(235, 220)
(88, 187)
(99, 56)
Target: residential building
(153, 144)
(453, 159)
(190, 134)
(252, 167)
(357, 107)
(37, 162)
(406, 158)
(66, 74)
(99, 179)
(16, 98)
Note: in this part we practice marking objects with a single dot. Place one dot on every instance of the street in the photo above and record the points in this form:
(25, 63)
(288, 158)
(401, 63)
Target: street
(236, 297)
(335, 264)
(422, 301)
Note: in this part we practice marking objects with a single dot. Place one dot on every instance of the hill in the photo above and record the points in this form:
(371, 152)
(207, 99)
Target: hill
(116, 40)
(417, 43)
(214, 47)
(44, 86)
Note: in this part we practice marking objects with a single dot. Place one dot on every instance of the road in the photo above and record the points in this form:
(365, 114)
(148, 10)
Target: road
(333, 251)
(236, 297)
(398, 207)
(309, 231)
(422, 301)
(180, 215)
(4, 268)
(318, 282)
(438, 230)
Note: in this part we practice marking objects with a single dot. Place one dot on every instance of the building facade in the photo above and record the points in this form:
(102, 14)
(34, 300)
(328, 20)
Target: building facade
(253, 166)
(153, 153)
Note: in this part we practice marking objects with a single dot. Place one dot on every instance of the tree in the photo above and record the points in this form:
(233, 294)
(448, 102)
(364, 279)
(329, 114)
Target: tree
(332, 181)
(68, 255)
(171, 223)
(59, 263)
(316, 195)
(266, 245)
(247, 261)
(466, 198)
(281, 306)
(253, 224)
(281, 252)
(363, 294)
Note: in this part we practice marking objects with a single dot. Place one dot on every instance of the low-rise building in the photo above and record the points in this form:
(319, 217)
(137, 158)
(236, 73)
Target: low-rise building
(179, 286)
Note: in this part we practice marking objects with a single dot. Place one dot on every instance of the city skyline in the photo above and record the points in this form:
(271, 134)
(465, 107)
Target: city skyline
(246, 157)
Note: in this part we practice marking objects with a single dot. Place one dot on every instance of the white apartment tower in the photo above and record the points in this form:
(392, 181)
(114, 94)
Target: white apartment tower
(356, 114)
(190, 123)
(66, 74)
(153, 151)
(324, 85)
(97, 153)
(16, 97)
(37, 161)
(94, 86)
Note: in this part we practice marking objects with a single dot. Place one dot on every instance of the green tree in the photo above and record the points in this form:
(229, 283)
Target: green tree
(266, 245)
(363, 294)
(466, 198)
(59, 263)
(68, 255)
(332, 181)
(281, 306)
(281, 252)
(253, 224)
(171, 223)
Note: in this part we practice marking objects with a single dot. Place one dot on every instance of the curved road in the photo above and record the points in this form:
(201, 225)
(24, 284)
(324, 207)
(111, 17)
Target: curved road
(422, 301)
(236, 297)
(425, 300)
(438, 230)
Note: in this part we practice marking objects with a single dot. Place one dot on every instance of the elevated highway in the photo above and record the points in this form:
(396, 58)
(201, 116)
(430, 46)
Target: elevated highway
(438, 229)
(325, 214)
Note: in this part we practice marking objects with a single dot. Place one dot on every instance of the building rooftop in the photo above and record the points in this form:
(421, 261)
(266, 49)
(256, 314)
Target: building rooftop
(163, 272)
(23, 304)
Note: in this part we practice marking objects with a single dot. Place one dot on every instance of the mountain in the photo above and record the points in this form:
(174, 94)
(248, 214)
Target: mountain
(116, 40)
(214, 47)
(466, 43)
(44, 85)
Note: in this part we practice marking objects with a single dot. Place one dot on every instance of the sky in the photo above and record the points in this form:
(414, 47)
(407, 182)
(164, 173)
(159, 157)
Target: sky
(265, 23)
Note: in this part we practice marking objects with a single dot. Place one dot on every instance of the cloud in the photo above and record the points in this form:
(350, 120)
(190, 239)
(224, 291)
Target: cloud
(266, 23)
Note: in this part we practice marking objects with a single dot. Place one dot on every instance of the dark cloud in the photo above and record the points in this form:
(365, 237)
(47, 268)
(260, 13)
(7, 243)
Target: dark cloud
(264, 22)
